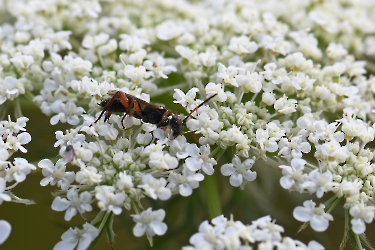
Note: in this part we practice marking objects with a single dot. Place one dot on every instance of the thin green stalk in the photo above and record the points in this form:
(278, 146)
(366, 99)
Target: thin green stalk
(211, 193)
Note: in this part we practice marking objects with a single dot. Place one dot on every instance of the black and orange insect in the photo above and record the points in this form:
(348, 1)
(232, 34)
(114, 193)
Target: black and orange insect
(121, 102)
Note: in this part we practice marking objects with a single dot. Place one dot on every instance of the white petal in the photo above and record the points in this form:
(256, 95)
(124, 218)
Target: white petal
(165, 194)
(193, 163)
(84, 242)
(158, 227)
(139, 230)
(65, 245)
(24, 138)
(45, 163)
(227, 169)
(70, 212)
(286, 182)
(302, 214)
(319, 223)
(235, 179)
(358, 226)
(60, 204)
(250, 175)
(185, 190)
(5, 229)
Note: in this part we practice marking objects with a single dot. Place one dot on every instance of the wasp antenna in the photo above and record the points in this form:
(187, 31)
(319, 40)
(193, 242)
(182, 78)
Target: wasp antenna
(200, 105)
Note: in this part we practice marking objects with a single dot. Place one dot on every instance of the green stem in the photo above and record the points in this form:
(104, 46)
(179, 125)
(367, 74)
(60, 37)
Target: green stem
(211, 193)
(358, 241)
(334, 204)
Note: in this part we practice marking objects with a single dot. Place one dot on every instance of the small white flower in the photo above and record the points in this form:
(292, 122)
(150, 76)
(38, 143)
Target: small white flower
(185, 99)
(56, 174)
(5, 229)
(200, 159)
(241, 45)
(250, 82)
(285, 106)
(293, 175)
(88, 176)
(184, 183)
(213, 88)
(81, 237)
(227, 75)
(3, 196)
(22, 61)
(149, 222)
(319, 220)
(155, 188)
(18, 171)
(162, 161)
(361, 214)
(74, 202)
(108, 200)
(124, 182)
(319, 182)
(239, 170)
(132, 43)
(16, 142)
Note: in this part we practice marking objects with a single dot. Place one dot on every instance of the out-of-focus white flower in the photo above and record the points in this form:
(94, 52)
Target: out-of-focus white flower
(184, 183)
(155, 188)
(74, 202)
(81, 237)
(18, 170)
(3, 196)
(361, 214)
(108, 200)
(55, 174)
(149, 222)
(5, 229)
(319, 220)
(238, 171)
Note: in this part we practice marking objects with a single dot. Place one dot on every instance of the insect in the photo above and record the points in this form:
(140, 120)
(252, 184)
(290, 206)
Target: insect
(121, 102)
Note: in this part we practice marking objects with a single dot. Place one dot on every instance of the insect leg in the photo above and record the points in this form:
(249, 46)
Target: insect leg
(122, 121)
(107, 106)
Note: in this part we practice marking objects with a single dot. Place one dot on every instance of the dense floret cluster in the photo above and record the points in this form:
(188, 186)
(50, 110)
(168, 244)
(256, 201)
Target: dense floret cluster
(293, 84)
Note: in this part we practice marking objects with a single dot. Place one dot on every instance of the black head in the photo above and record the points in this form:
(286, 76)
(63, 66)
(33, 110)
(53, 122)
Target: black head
(176, 124)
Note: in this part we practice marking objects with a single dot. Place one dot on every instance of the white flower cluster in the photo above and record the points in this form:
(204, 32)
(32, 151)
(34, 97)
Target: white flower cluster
(14, 136)
(281, 71)
(263, 233)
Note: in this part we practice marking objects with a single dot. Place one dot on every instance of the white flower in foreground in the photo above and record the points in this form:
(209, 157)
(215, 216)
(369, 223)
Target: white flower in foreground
(18, 171)
(227, 75)
(3, 197)
(238, 170)
(319, 220)
(200, 159)
(184, 183)
(88, 175)
(5, 229)
(81, 237)
(108, 200)
(155, 188)
(55, 174)
(74, 202)
(208, 236)
(16, 142)
(285, 106)
(263, 234)
(149, 222)
(293, 175)
(185, 99)
(162, 161)
(319, 182)
(361, 214)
